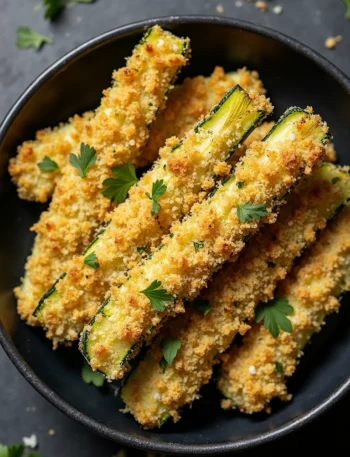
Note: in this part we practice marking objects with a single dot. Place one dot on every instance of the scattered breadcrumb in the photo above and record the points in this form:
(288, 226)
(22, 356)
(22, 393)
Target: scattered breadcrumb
(30, 441)
(261, 5)
(220, 9)
(52, 432)
(277, 9)
(332, 41)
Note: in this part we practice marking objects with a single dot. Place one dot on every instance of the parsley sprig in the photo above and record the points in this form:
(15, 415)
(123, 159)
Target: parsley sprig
(16, 450)
(91, 377)
(158, 297)
(28, 38)
(158, 189)
(91, 261)
(117, 188)
(251, 212)
(347, 4)
(170, 347)
(84, 160)
(48, 165)
(53, 7)
(274, 313)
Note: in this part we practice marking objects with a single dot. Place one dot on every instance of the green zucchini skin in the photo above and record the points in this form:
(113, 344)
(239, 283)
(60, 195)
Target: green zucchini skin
(190, 267)
(47, 295)
(189, 171)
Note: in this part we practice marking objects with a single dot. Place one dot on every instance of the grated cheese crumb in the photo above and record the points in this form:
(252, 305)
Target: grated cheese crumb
(220, 9)
(30, 441)
(252, 370)
(277, 9)
(132, 142)
(52, 432)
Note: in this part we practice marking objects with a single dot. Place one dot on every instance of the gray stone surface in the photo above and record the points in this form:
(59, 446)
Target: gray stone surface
(310, 21)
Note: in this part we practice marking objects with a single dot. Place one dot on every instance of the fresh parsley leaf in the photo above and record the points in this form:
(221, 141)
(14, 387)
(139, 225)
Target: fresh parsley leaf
(278, 368)
(170, 347)
(117, 188)
(16, 450)
(91, 260)
(202, 305)
(240, 184)
(52, 8)
(27, 38)
(347, 4)
(158, 189)
(83, 161)
(197, 245)
(158, 298)
(336, 179)
(271, 264)
(251, 212)
(48, 165)
(274, 313)
(91, 377)
(236, 304)
(141, 250)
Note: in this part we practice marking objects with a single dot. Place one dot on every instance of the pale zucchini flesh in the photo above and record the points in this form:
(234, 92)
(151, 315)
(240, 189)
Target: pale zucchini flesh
(151, 393)
(313, 290)
(185, 169)
(118, 131)
(269, 170)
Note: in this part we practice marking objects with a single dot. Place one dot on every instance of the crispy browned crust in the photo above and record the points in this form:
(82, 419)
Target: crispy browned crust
(181, 270)
(313, 290)
(118, 131)
(232, 296)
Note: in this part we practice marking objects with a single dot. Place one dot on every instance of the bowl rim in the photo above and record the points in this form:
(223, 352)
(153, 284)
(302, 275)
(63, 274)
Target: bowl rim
(11, 350)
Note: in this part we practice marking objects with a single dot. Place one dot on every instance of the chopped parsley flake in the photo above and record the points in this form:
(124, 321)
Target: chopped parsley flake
(274, 313)
(198, 245)
(48, 165)
(117, 188)
(27, 38)
(91, 261)
(84, 160)
(158, 297)
(158, 189)
(170, 347)
(250, 211)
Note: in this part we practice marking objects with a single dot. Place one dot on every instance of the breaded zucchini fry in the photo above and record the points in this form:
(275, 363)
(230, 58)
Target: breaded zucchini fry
(187, 169)
(32, 182)
(252, 375)
(117, 133)
(192, 100)
(152, 394)
(185, 105)
(215, 231)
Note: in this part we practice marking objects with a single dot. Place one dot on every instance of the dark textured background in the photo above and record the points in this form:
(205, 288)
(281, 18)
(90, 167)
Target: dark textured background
(22, 410)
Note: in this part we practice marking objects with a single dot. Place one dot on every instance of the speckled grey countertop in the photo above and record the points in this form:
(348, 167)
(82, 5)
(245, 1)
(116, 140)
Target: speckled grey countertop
(22, 411)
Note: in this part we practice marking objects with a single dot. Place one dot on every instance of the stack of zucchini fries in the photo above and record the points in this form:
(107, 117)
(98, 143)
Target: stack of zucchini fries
(203, 246)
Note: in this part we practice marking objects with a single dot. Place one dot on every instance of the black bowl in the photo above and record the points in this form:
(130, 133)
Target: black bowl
(293, 75)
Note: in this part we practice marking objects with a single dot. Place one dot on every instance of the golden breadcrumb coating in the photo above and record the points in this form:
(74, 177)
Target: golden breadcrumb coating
(118, 131)
(57, 143)
(255, 373)
(192, 100)
(269, 169)
(188, 169)
(185, 105)
(151, 394)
